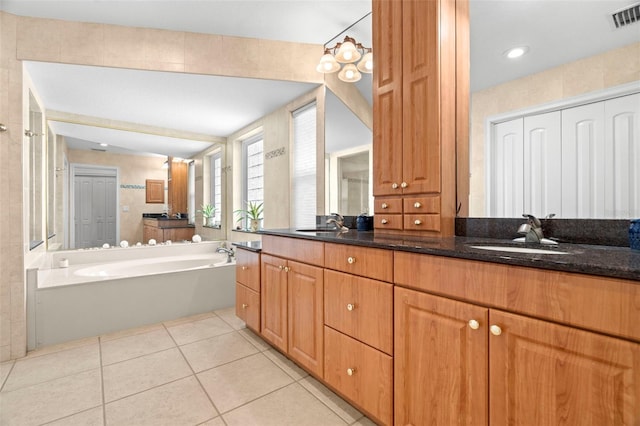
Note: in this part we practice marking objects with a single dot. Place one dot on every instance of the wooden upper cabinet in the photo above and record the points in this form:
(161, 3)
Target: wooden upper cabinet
(548, 374)
(154, 191)
(178, 187)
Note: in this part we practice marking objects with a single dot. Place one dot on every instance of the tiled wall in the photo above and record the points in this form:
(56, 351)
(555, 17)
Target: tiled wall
(597, 72)
(24, 38)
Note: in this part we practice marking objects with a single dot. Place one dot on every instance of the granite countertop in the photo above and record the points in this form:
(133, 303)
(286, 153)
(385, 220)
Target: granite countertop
(255, 246)
(606, 261)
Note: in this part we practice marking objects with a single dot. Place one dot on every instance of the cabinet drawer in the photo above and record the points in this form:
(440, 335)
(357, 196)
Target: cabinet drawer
(305, 251)
(387, 205)
(367, 262)
(422, 205)
(361, 373)
(422, 222)
(248, 269)
(387, 221)
(248, 306)
(360, 307)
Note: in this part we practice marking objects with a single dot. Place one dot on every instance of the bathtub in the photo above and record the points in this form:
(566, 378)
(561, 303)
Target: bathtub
(103, 291)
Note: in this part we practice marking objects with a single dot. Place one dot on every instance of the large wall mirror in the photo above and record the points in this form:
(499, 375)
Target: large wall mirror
(538, 142)
(35, 135)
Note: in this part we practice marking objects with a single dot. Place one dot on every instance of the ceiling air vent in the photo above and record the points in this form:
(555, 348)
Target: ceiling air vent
(99, 150)
(626, 16)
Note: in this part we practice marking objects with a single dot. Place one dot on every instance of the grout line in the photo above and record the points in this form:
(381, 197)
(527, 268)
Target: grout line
(70, 415)
(13, 364)
(104, 405)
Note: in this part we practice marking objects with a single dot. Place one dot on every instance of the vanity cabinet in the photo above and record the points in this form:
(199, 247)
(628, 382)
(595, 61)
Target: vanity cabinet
(248, 288)
(414, 111)
(450, 354)
(292, 300)
(163, 230)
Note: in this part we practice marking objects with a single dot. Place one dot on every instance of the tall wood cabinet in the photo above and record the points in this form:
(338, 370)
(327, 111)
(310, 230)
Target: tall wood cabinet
(414, 138)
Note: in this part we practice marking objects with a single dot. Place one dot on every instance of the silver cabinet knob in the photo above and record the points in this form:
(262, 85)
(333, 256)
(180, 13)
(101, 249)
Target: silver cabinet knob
(351, 371)
(404, 184)
(385, 206)
(417, 222)
(417, 205)
(351, 306)
(495, 330)
(351, 260)
(474, 325)
(394, 185)
(384, 221)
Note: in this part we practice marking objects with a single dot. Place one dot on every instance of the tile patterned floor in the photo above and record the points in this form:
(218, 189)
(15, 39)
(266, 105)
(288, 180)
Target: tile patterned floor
(204, 370)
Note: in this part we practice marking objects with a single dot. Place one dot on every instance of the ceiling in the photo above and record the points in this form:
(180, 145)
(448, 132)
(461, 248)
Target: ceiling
(220, 105)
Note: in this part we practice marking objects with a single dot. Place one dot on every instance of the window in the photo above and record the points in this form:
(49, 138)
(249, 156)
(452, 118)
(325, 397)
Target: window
(216, 185)
(252, 172)
(303, 180)
(191, 190)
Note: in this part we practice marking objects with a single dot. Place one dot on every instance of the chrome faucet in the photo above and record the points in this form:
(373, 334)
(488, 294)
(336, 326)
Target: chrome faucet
(532, 230)
(226, 250)
(338, 222)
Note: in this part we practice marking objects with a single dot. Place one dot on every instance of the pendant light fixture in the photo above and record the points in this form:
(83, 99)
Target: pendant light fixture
(343, 56)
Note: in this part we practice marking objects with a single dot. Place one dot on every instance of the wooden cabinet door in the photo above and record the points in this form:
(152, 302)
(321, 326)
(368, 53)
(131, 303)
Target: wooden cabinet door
(305, 294)
(273, 301)
(440, 361)
(248, 269)
(546, 374)
(387, 91)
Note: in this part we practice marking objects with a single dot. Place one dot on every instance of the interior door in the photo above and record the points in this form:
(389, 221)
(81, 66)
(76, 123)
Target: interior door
(506, 179)
(95, 210)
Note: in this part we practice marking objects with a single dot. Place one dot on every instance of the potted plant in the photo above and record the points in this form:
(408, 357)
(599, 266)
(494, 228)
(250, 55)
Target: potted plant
(208, 213)
(253, 212)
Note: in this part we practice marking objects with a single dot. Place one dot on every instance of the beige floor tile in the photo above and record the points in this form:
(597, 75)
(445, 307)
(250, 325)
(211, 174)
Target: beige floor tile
(182, 402)
(51, 400)
(229, 316)
(185, 320)
(218, 350)
(30, 371)
(62, 347)
(338, 405)
(5, 368)
(289, 406)
(239, 382)
(254, 339)
(93, 417)
(199, 330)
(286, 364)
(130, 332)
(214, 422)
(139, 374)
(134, 346)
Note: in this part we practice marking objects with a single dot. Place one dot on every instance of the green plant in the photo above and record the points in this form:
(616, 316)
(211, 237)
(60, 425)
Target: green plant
(252, 212)
(207, 210)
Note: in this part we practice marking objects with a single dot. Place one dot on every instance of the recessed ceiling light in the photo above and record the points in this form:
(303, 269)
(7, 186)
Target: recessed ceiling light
(104, 144)
(516, 52)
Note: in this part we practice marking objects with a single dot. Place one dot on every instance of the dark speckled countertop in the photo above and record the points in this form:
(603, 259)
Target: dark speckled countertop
(606, 261)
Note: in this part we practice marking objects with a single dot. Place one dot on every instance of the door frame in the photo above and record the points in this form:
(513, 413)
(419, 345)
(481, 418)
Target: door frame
(92, 170)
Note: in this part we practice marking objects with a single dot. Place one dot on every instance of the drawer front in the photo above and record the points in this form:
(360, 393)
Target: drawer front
(360, 307)
(248, 306)
(387, 205)
(422, 222)
(387, 221)
(422, 205)
(248, 269)
(304, 251)
(367, 262)
(361, 373)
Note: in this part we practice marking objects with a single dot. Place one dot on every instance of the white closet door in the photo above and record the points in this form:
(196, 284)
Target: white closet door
(542, 164)
(622, 157)
(583, 162)
(506, 170)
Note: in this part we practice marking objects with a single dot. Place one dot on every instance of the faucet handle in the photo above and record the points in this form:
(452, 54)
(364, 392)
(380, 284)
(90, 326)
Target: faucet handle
(533, 220)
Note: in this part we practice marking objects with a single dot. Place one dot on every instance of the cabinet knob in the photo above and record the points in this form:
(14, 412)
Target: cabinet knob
(404, 184)
(384, 221)
(351, 371)
(385, 206)
(417, 222)
(417, 204)
(351, 306)
(287, 269)
(351, 260)
(244, 268)
(245, 306)
(280, 267)
(495, 330)
(474, 325)
(394, 185)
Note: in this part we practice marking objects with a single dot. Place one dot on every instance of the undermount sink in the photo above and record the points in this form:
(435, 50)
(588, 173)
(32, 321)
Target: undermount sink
(511, 249)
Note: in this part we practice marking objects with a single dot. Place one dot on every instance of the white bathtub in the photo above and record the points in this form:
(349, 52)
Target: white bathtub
(129, 288)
